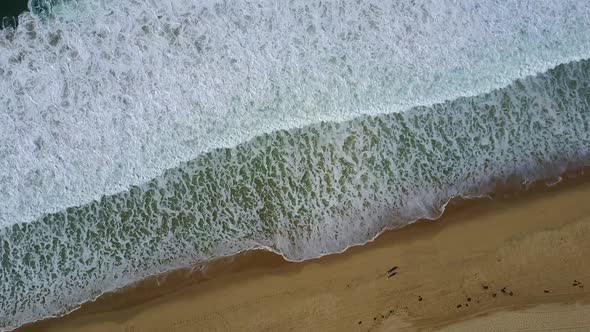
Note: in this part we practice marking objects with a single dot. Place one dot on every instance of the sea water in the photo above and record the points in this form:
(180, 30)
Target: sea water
(141, 136)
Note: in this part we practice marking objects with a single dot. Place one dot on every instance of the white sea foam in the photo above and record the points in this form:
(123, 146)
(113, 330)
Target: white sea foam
(106, 93)
(303, 193)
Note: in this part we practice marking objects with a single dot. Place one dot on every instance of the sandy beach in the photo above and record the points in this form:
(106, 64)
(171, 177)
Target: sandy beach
(514, 262)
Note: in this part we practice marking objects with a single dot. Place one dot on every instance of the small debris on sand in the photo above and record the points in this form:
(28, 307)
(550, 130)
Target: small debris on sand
(391, 270)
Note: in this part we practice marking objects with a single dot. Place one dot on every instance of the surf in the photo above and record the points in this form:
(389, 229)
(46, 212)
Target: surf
(303, 193)
(100, 96)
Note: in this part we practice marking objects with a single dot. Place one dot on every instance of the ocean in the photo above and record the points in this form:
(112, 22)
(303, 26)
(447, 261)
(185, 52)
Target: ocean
(140, 136)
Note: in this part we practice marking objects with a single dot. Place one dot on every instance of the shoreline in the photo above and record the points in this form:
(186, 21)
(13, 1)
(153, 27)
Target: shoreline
(237, 269)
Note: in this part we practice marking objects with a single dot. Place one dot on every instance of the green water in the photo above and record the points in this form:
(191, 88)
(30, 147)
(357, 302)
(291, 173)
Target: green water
(304, 192)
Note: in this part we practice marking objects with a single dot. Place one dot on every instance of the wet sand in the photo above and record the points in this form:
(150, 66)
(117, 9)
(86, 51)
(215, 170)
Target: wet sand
(518, 261)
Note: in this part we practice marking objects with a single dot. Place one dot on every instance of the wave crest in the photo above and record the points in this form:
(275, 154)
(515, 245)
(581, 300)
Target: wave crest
(304, 192)
(107, 94)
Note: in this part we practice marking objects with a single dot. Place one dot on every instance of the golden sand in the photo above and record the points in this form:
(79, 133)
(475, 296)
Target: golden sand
(516, 262)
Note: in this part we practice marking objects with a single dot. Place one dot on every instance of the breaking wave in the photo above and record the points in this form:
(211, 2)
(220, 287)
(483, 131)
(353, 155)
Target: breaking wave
(142, 136)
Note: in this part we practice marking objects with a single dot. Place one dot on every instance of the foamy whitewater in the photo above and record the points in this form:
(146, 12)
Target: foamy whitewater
(138, 136)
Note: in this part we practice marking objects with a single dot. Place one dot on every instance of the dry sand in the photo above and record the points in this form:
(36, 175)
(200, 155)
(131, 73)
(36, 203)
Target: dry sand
(516, 262)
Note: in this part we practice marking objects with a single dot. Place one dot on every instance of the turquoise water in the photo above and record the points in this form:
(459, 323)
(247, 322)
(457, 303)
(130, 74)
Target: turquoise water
(119, 161)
